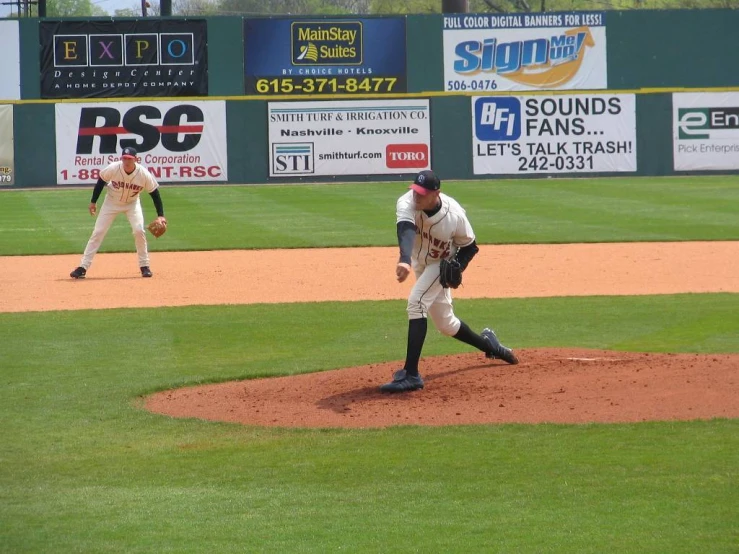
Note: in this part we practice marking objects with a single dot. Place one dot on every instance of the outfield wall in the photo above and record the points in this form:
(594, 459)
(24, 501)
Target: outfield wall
(262, 100)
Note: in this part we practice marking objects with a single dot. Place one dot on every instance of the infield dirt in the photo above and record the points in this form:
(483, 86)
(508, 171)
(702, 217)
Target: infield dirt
(549, 385)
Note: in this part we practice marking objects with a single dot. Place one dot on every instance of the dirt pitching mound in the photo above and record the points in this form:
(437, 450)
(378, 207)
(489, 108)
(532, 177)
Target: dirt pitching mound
(549, 385)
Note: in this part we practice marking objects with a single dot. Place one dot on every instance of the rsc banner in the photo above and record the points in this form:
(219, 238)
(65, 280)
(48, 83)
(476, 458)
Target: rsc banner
(525, 135)
(178, 142)
(7, 165)
(487, 52)
(146, 57)
(705, 130)
(322, 56)
(349, 138)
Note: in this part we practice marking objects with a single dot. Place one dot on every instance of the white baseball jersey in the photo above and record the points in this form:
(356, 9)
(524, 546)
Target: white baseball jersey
(125, 188)
(438, 236)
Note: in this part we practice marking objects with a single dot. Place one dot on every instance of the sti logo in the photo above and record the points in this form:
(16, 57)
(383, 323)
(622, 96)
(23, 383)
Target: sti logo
(123, 50)
(292, 158)
(544, 62)
(497, 118)
(326, 42)
(695, 123)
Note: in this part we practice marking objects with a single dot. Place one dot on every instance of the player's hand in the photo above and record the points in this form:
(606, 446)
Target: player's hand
(92, 208)
(402, 271)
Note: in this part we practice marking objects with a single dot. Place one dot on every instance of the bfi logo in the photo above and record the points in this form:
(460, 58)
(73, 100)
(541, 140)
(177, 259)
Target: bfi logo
(293, 158)
(498, 119)
(112, 50)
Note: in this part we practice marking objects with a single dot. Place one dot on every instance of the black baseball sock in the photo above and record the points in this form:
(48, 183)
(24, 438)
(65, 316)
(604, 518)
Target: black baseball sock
(468, 336)
(416, 336)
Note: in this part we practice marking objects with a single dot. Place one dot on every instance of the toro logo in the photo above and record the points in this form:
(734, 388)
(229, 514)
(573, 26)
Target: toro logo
(407, 156)
(178, 130)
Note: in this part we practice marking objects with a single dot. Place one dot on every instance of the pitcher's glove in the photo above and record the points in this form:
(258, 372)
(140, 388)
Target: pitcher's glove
(450, 273)
(158, 227)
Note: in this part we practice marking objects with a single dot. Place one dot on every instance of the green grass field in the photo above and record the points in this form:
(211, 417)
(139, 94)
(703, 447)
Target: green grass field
(84, 469)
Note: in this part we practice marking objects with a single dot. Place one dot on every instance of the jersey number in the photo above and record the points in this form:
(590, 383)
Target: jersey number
(437, 254)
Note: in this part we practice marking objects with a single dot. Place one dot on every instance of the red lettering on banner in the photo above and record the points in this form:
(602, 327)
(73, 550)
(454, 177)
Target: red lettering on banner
(407, 155)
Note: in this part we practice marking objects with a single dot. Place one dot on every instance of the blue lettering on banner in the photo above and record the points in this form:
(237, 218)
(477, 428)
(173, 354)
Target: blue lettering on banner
(498, 118)
(508, 57)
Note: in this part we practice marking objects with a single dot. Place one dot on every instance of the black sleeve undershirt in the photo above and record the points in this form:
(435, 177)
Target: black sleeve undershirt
(99, 186)
(406, 238)
(157, 202)
(466, 253)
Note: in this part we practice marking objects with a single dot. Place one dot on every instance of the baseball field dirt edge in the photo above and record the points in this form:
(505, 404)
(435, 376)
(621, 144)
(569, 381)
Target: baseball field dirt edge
(549, 385)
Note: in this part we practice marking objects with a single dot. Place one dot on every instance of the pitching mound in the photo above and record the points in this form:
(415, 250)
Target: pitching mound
(549, 385)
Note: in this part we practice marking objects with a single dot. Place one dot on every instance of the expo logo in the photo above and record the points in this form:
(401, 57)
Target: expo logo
(178, 130)
(292, 158)
(114, 50)
(407, 155)
(694, 123)
(497, 119)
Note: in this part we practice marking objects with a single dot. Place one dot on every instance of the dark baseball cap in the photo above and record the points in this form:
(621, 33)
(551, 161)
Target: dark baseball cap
(426, 181)
(129, 152)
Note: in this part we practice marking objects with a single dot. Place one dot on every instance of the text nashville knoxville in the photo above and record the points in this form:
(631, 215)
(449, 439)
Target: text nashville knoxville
(338, 132)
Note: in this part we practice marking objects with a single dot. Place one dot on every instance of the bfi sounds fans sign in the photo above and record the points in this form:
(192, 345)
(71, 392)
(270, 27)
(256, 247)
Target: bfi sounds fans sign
(486, 52)
(554, 134)
(324, 56)
(7, 165)
(705, 130)
(148, 57)
(348, 138)
(177, 142)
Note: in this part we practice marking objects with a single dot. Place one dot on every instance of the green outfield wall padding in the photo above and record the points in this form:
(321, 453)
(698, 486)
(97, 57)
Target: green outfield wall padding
(662, 48)
(225, 56)
(35, 145)
(30, 58)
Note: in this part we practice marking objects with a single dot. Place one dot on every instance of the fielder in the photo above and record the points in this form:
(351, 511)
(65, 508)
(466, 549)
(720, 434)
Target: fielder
(436, 241)
(125, 179)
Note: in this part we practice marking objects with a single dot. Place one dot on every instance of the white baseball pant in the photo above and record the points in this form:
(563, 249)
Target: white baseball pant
(429, 299)
(106, 215)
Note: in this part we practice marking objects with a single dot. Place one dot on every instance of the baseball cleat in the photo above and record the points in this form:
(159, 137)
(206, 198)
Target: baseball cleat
(402, 382)
(78, 273)
(497, 350)
(146, 272)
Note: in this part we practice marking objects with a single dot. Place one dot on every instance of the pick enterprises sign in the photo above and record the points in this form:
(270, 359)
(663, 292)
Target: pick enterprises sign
(705, 130)
(488, 52)
(123, 58)
(324, 56)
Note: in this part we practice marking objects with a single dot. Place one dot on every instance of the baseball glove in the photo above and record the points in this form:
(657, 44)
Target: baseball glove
(158, 227)
(450, 273)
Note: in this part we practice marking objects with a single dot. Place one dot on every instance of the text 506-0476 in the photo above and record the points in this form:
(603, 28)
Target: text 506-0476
(477, 84)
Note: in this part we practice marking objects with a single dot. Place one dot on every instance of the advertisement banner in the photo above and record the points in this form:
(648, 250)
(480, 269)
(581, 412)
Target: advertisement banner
(547, 51)
(583, 133)
(321, 56)
(178, 142)
(10, 76)
(349, 137)
(145, 57)
(705, 130)
(7, 165)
